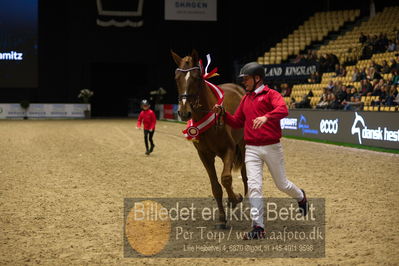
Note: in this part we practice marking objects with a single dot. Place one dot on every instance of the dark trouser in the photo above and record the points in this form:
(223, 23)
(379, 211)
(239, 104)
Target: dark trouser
(148, 137)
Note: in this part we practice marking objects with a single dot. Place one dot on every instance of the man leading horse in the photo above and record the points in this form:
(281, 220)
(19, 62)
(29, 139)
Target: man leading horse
(259, 113)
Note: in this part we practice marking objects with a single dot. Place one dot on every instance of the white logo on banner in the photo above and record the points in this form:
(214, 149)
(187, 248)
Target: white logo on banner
(273, 72)
(329, 126)
(11, 56)
(356, 130)
(130, 18)
(194, 10)
(373, 134)
(289, 123)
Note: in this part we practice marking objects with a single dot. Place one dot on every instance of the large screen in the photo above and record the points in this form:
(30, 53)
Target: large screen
(18, 43)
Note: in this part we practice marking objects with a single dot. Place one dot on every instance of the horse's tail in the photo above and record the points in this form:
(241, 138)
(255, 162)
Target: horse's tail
(238, 158)
(239, 164)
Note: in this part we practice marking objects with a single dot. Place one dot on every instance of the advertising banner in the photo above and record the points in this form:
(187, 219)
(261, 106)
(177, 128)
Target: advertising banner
(19, 44)
(12, 110)
(290, 71)
(43, 110)
(168, 111)
(376, 129)
(194, 10)
(76, 110)
(57, 110)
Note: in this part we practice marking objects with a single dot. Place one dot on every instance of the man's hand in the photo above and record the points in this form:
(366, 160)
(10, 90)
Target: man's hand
(217, 109)
(138, 128)
(259, 121)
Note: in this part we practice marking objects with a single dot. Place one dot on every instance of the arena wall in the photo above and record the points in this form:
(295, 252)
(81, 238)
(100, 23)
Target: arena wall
(376, 129)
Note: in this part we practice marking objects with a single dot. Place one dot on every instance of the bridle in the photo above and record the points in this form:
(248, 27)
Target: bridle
(193, 99)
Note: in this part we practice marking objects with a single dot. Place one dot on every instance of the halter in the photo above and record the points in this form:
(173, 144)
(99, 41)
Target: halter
(188, 69)
(194, 129)
(205, 75)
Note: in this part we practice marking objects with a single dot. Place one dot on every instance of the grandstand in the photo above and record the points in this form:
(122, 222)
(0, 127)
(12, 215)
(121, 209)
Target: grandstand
(316, 28)
(347, 48)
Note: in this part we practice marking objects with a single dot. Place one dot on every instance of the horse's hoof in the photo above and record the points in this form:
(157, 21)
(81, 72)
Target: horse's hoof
(240, 198)
(222, 226)
(233, 203)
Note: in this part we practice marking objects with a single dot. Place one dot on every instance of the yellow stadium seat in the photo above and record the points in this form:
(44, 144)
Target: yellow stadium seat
(374, 98)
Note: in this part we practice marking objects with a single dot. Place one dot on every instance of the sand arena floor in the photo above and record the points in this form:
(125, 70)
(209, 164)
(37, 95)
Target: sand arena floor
(63, 184)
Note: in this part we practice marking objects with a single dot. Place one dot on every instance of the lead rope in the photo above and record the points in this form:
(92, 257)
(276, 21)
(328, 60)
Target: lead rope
(219, 120)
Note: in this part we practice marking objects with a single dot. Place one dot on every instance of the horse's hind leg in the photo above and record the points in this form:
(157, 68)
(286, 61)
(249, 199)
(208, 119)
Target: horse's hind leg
(244, 179)
(208, 161)
(227, 180)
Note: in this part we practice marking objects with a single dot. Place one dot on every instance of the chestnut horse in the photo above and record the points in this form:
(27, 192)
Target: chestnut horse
(195, 101)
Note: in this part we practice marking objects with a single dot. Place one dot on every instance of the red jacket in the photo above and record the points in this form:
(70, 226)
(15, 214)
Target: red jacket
(147, 117)
(267, 103)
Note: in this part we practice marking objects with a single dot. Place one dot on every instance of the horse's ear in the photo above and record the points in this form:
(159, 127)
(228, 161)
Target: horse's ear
(194, 56)
(176, 58)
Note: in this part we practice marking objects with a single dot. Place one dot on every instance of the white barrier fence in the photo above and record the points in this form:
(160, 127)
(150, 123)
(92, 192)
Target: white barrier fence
(43, 110)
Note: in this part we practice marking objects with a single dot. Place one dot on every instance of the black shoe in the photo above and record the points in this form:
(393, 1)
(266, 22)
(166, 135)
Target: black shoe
(303, 204)
(152, 148)
(256, 233)
(147, 152)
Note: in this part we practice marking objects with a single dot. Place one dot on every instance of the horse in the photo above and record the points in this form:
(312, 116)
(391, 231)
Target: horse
(195, 100)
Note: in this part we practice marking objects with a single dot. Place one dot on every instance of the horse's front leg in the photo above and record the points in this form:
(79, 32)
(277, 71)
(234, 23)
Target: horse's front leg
(208, 160)
(227, 179)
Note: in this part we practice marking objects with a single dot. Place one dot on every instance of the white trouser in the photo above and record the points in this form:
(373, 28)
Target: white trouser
(255, 156)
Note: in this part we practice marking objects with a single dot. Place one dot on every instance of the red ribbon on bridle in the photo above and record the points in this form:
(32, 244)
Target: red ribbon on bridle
(194, 129)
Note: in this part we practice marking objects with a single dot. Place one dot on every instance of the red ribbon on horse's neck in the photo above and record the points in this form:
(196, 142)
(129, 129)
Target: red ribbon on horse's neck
(194, 129)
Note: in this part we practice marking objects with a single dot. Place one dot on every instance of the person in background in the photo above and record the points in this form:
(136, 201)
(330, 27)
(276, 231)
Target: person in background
(356, 75)
(395, 95)
(384, 95)
(331, 85)
(340, 71)
(342, 96)
(395, 77)
(393, 66)
(148, 119)
(391, 46)
(392, 93)
(323, 102)
(362, 38)
(333, 101)
(305, 102)
(373, 74)
(377, 67)
(363, 74)
(353, 103)
(285, 90)
(365, 87)
(385, 67)
(396, 32)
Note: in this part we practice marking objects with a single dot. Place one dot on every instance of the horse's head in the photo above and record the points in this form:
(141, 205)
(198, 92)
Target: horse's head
(188, 80)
